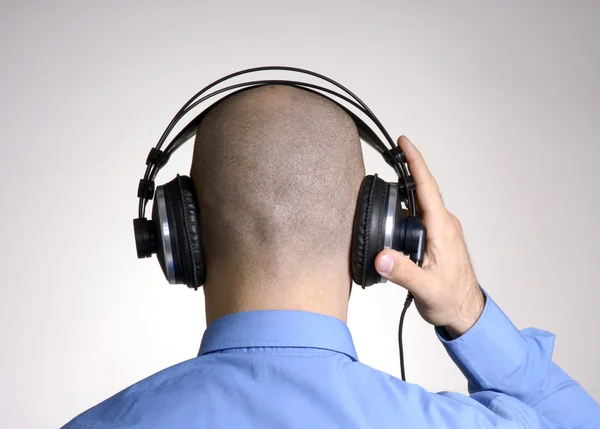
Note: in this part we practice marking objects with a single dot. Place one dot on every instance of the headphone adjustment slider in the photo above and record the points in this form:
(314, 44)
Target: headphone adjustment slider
(146, 189)
(154, 156)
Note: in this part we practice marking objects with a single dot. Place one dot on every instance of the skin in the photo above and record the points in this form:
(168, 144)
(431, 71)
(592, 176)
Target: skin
(445, 289)
(280, 277)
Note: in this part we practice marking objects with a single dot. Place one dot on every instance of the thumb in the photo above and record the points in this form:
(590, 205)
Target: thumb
(399, 269)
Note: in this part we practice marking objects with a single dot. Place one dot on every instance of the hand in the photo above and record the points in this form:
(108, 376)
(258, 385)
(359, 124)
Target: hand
(445, 289)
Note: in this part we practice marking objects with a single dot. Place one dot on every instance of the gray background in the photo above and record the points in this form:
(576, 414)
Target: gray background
(503, 100)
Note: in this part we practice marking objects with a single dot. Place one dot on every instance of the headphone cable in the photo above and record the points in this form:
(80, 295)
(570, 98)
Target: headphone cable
(409, 300)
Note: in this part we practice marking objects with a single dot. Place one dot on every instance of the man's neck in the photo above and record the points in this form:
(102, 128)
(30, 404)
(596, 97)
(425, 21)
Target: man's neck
(226, 298)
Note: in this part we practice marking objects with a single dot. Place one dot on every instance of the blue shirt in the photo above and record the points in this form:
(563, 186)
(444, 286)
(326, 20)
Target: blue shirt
(296, 369)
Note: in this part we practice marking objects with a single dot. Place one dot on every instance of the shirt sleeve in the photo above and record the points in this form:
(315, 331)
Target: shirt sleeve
(496, 410)
(495, 356)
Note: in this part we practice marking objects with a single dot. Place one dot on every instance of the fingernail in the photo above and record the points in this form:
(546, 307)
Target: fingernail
(385, 264)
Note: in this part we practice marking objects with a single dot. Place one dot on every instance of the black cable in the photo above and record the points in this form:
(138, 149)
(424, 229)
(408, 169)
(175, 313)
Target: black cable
(407, 302)
(409, 299)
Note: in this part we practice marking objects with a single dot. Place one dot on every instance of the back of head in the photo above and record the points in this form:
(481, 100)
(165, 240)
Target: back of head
(277, 171)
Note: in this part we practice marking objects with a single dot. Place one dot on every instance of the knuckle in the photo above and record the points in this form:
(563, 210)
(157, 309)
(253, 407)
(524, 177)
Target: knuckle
(455, 220)
(459, 231)
(458, 225)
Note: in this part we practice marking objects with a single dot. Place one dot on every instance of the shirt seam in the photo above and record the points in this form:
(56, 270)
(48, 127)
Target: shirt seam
(515, 411)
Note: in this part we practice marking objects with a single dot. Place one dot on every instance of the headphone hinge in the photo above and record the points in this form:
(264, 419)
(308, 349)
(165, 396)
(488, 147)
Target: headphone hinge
(146, 189)
(154, 156)
(406, 186)
(397, 154)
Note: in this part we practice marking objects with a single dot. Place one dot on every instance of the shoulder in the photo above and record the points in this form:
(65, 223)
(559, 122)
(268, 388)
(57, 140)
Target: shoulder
(145, 401)
(381, 389)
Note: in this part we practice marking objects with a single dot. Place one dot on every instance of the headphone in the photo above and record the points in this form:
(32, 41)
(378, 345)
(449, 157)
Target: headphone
(174, 230)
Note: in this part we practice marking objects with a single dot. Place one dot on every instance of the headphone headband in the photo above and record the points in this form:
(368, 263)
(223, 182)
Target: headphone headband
(157, 158)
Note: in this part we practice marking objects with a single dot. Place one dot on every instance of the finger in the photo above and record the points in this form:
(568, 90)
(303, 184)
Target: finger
(427, 189)
(399, 269)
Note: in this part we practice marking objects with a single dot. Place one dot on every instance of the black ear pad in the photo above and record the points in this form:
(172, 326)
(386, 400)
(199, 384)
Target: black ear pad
(186, 237)
(368, 230)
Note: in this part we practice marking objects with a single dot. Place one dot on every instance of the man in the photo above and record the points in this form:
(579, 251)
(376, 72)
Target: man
(277, 171)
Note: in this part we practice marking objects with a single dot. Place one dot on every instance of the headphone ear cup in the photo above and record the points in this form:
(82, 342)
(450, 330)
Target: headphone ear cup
(359, 229)
(181, 232)
(368, 230)
(190, 235)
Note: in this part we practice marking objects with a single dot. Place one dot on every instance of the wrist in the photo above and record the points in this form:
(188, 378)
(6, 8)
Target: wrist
(468, 316)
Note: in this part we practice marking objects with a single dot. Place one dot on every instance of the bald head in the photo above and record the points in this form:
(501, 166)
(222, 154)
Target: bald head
(277, 171)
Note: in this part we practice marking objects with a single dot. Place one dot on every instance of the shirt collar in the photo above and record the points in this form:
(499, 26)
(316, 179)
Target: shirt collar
(278, 328)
